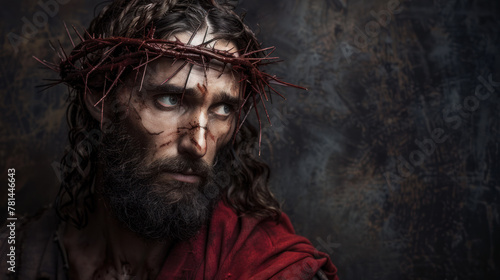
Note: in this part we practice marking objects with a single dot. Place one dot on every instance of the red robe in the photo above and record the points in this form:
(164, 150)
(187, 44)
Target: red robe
(233, 247)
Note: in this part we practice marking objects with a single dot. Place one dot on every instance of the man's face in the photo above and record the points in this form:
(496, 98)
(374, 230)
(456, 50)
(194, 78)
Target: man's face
(158, 173)
(191, 115)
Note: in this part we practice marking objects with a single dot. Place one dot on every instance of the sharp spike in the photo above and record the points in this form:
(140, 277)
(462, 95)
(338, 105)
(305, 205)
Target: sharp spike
(57, 52)
(69, 35)
(112, 85)
(148, 61)
(258, 119)
(194, 34)
(175, 73)
(144, 73)
(185, 84)
(62, 50)
(52, 67)
(78, 34)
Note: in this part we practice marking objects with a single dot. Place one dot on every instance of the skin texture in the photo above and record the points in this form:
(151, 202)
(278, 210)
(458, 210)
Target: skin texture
(194, 125)
(199, 122)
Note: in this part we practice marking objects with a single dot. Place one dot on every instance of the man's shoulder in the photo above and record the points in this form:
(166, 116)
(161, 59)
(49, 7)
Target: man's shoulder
(33, 243)
(226, 222)
(271, 246)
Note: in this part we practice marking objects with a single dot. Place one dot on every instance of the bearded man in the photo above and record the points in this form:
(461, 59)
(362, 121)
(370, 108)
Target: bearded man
(161, 181)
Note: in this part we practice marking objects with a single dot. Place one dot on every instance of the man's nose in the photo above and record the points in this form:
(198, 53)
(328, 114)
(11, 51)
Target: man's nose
(193, 140)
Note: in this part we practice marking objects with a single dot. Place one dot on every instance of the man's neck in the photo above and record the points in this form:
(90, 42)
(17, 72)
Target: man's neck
(107, 249)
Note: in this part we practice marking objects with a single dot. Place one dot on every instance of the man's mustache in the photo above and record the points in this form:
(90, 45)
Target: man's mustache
(178, 164)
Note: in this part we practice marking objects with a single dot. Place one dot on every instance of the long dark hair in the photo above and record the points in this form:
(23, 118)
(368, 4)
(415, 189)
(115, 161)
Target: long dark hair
(248, 191)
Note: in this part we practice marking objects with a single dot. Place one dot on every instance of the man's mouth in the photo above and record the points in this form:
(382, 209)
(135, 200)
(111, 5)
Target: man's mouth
(186, 178)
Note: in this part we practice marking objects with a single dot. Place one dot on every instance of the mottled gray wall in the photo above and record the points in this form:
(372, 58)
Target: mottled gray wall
(345, 155)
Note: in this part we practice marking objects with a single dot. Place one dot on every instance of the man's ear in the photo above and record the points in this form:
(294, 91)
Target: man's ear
(90, 100)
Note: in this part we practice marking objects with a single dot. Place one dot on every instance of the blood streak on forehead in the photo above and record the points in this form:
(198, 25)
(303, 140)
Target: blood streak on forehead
(202, 88)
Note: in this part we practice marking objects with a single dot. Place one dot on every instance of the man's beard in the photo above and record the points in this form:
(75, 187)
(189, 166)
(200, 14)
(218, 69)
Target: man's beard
(147, 203)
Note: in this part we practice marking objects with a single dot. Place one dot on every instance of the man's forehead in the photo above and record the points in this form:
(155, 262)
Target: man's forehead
(168, 70)
(205, 37)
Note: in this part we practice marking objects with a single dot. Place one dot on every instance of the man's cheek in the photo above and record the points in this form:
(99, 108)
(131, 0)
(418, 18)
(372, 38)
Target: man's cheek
(223, 134)
(154, 123)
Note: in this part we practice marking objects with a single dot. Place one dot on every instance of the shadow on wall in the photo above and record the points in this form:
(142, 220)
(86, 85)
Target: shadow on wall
(392, 151)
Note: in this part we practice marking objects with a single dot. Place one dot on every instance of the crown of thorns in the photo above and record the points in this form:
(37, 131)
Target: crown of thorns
(78, 68)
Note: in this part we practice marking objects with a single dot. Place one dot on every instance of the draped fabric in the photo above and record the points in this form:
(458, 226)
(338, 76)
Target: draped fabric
(232, 247)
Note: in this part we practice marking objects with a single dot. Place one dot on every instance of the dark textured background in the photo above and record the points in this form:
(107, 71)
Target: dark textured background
(343, 153)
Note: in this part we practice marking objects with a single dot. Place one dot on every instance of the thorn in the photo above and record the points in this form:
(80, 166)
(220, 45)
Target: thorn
(112, 85)
(78, 34)
(222, 71)
(62, 49)
(194, 34)
(57, 52)
(258, 119)
(175, 73)
(46, 64)
(69, 35)
(143, 74)
(185, 84)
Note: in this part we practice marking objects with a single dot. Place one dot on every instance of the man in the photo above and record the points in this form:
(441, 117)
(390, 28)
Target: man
(161, 181)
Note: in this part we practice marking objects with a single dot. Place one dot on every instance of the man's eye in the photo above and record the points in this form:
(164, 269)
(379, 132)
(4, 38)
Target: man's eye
(168, 100)
(223, 110)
